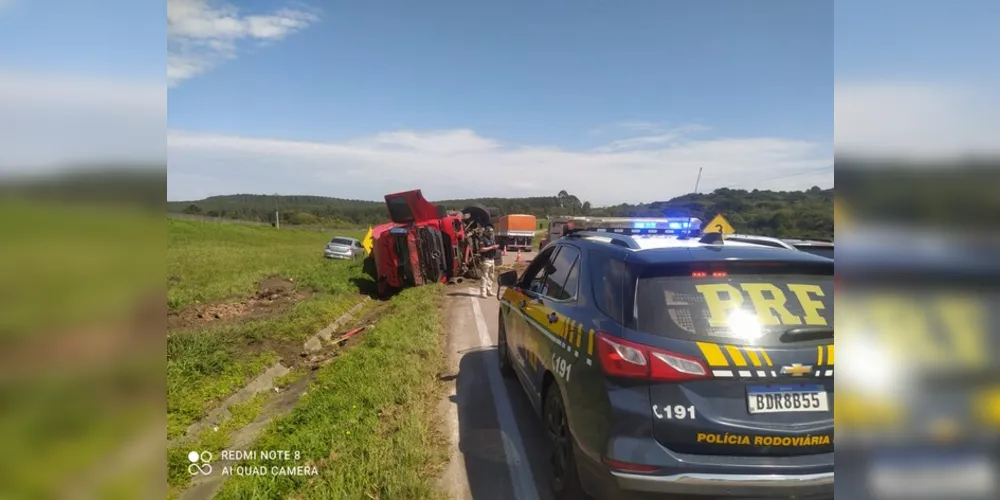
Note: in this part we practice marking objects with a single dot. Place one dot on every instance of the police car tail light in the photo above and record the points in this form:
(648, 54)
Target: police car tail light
(620, 358)
(668, 366)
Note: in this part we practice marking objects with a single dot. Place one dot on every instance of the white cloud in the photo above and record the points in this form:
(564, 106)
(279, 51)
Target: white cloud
(202, 34)
(915, 120)
(50, 121)
(653, 135)
(461, 163)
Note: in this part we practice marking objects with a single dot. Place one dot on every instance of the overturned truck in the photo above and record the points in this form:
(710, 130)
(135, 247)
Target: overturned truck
(425, 244)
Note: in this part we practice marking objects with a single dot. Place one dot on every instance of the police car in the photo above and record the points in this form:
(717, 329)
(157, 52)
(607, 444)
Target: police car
(665, 362)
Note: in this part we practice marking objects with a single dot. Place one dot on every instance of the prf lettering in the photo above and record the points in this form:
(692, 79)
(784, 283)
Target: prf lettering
(768, 301)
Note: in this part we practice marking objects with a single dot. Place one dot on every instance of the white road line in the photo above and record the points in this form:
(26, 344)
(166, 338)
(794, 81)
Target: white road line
(517, 460)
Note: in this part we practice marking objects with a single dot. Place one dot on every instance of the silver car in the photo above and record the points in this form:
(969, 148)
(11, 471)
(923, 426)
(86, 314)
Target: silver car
(342, 247)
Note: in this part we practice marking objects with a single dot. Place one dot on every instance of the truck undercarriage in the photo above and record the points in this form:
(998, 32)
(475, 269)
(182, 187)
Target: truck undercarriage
(426, 244)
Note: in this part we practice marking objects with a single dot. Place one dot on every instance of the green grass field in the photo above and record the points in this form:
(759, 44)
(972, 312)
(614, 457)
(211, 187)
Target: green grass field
(65, 266)
(213, 261)
(80, 377)
(210, 262)
(367, 421)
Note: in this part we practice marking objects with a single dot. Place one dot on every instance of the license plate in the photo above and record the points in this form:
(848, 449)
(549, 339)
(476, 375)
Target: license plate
(787, 398)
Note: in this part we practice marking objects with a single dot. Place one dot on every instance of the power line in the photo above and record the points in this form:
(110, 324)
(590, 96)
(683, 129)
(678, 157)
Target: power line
(785, 176)
(827, 167)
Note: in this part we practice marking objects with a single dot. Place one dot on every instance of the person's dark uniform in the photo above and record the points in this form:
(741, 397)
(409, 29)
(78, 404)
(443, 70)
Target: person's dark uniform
(487, 252)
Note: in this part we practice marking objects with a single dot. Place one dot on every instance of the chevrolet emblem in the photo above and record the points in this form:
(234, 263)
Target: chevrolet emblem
(795, 369)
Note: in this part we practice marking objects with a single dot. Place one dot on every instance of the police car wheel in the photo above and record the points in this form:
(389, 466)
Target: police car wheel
(562, 463)
(506, 369)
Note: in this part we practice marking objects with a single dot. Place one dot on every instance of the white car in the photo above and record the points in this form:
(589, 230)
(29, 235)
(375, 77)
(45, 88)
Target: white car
(342, 247)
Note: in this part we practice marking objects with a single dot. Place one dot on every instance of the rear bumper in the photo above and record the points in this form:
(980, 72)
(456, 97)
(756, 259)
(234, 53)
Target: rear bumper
(335, 255)
(684, 476)
(757, 485)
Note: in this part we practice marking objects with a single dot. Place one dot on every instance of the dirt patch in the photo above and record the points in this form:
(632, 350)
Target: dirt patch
(292, 354)
(336, 347)
(274, 295)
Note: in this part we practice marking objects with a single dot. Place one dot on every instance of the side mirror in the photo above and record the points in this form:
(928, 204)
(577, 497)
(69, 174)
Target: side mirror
(507, 279)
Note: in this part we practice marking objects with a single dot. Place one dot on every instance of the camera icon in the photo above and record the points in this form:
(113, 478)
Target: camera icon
(200, 463)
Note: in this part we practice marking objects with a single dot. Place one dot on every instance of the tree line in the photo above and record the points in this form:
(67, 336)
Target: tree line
(803, 214)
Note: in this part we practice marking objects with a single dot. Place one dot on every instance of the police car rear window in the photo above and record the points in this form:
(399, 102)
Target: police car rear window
(744, 306)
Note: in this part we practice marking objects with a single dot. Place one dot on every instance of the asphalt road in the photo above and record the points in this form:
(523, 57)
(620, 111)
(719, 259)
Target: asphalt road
(499, 446)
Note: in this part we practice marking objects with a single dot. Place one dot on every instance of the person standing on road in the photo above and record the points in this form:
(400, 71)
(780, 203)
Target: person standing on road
(487, 252)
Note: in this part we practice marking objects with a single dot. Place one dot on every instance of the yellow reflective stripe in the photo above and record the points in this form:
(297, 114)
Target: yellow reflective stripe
(829, 355)
(735, 354)
(762, 352)
(713, 354)
(753, 357)
(590, 343)
(819, 355)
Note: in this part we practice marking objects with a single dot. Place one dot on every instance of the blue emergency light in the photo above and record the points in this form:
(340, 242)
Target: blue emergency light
(636, 226)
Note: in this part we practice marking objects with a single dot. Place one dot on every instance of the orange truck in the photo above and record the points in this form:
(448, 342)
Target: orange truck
(516, 231)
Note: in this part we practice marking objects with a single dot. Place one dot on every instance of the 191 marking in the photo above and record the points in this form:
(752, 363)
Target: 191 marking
(674, 412)
(561, 367)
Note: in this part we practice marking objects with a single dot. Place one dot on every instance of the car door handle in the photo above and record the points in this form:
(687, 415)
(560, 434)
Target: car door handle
(553, 318)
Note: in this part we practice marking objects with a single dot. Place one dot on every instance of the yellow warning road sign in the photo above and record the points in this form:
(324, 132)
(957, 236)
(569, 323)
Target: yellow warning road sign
(367, 242)
(718, 224)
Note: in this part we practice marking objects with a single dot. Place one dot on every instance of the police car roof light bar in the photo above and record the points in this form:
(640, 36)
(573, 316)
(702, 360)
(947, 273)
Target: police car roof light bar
(613, 238)
(645, 226)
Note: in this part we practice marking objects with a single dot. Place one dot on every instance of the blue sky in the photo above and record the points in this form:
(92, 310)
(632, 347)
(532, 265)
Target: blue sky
(615, 101)
(611, 101)
(916, 40)
(917, 78)
(357, 102)
(81, 83)
(527, 72)
(123, 39)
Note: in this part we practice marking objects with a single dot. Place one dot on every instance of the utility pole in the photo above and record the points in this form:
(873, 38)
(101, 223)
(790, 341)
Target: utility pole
(277, 220)
(696, 182)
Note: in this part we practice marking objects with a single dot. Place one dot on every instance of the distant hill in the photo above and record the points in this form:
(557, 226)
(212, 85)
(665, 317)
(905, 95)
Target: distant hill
(779, 213)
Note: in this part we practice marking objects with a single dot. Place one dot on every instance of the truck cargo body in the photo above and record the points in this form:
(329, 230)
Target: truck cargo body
(516, 231)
